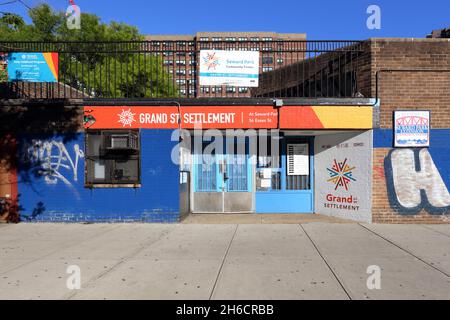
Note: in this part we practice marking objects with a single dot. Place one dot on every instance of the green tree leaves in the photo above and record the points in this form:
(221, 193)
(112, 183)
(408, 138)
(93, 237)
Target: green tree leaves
(88, 62)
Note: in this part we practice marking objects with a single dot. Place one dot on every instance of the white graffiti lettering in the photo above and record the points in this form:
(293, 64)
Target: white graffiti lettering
(408, 182)
(51, 157)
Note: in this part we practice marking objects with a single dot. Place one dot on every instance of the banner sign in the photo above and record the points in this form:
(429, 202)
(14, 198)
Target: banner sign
(167, 117)
(33, 66)
(233, 68)
(228, 117)
(326, 117)
(411, 128)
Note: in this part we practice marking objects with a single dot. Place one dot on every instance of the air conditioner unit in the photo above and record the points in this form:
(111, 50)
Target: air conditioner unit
(121, 141)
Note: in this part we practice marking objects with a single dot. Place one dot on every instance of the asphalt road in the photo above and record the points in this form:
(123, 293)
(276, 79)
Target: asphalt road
(316, 260)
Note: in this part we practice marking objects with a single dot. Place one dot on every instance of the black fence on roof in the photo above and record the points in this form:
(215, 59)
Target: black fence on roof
(170, 69)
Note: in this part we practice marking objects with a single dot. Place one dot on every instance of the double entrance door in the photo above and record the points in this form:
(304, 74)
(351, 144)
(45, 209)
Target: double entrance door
(223, 178)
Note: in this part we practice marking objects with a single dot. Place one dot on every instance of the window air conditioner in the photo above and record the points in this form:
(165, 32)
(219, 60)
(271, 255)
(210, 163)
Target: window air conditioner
(122, 141)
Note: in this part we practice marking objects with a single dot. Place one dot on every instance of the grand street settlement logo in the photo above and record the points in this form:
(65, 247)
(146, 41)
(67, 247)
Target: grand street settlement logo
(341, 174)
(211, 61)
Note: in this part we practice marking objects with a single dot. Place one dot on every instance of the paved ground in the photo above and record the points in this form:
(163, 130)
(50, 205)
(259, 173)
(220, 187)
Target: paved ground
(224, 261)
(246, 218)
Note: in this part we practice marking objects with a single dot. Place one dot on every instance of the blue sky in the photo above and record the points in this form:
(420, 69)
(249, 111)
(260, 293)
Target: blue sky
(326, 19)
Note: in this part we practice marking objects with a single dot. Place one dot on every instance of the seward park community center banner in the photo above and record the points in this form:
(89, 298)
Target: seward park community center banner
(232, 68)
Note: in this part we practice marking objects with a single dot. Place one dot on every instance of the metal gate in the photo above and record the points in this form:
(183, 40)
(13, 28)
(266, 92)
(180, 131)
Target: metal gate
(223, 182)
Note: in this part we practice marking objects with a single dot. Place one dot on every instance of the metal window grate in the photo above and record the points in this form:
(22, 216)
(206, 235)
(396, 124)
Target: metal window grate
(237, 171)
(206, 173)
(297, 182)
(112, 158)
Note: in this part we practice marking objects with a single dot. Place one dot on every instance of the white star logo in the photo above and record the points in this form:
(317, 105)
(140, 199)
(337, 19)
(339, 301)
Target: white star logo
(126, 117)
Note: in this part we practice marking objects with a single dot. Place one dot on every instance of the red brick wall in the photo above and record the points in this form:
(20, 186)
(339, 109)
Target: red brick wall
(8, 177)
(411, 90)
(382, 210)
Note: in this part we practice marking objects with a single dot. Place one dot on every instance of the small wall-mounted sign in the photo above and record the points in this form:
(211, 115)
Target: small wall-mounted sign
(412, 128)
(33, 66)
(297, 159)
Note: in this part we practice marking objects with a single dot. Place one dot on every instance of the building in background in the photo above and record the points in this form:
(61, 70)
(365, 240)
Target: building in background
(180, 54)
(440, 33)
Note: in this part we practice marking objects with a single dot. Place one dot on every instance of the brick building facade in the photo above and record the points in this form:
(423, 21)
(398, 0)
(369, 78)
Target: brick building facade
(402, 74)
(336, 155)
(414, 74)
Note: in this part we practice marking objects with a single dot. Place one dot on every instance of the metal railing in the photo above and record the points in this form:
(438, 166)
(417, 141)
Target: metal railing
(169, 69)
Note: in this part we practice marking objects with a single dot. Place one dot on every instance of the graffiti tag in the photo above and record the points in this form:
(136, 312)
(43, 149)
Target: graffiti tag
(52, 157)
(414, 183)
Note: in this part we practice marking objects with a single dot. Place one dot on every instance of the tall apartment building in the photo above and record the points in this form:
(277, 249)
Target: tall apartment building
(180, 56)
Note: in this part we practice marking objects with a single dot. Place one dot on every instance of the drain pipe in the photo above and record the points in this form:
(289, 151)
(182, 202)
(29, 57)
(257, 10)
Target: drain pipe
(277, 104)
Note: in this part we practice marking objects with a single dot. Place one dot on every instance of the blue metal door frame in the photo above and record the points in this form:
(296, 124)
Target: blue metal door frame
(288, 201)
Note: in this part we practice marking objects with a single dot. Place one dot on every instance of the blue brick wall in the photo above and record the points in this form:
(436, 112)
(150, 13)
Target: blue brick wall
(433, 186)
(439, 148)
(61, 196)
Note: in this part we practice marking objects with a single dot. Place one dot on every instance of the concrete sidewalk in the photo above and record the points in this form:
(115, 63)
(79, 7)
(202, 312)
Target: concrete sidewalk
(245, 218)
(319, 260)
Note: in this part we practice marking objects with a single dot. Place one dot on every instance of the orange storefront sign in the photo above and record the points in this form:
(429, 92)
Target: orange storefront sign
(167, 117)
(326, 117)
(228, 117)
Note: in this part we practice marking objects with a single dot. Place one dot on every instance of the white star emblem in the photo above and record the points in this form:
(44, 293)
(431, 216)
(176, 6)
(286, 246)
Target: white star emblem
(126, 117)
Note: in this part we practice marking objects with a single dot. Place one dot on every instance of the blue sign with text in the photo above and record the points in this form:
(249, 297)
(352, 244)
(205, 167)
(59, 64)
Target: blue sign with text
(33, 66)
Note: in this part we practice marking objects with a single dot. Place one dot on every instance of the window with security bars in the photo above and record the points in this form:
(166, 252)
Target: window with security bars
(297, 166)
(112, 158)
(206, 168)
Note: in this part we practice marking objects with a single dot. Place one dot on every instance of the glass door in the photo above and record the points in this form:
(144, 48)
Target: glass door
(223, 181)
